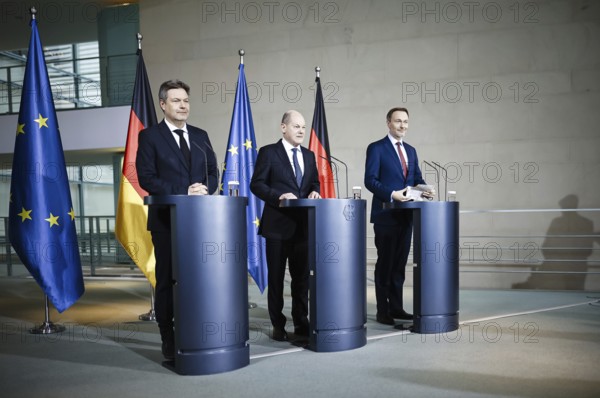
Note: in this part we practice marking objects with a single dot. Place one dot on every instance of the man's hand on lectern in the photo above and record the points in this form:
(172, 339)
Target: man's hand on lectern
(400, 196)
(288, 195)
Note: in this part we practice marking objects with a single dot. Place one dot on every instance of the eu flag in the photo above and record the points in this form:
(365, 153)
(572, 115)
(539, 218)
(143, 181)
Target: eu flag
(239, 166)
(41, 215)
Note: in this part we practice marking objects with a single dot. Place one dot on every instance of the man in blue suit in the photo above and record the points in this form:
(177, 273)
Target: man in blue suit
(391, 166)
(173, 158)
(286, 170)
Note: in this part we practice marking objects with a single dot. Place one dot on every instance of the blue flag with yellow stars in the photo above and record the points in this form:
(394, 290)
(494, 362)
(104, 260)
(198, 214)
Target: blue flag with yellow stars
(41, 215)
(239, 166)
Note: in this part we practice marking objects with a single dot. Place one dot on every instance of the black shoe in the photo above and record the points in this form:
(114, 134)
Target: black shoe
(168, 350)
(279, 334)
(301, 331)
(401, 315)
(385, 319)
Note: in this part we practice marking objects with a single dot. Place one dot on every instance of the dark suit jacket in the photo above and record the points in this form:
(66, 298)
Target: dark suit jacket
(162, 170)
(274, 176)
(383, 174)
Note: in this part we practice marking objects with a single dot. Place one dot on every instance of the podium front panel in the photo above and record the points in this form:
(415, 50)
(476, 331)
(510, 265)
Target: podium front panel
(340, 275)
(208, 235)
(435, 253)
(337, 266)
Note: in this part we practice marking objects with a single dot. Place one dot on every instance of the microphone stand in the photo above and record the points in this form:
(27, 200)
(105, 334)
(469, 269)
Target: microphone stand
(337, 180)
(445, 174)
(206, 165)
(437, 171)
(217, 163)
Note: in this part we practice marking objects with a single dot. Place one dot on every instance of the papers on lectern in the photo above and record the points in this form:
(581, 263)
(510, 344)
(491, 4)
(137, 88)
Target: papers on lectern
(416, 193)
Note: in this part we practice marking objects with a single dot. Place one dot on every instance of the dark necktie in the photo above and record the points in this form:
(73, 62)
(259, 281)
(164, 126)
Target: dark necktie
(185, 150)
(297, 168)
(402, 160)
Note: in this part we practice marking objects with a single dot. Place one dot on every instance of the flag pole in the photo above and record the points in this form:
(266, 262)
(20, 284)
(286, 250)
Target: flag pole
(318, 71)
(151, 314)
(47, 327)
(241, 53)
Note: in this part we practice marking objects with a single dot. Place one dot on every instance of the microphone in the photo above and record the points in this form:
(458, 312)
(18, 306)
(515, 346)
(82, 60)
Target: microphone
(437, 171)
(445, 174)
(216, 161)
(337, 181)
(346, 167)
(206, 165)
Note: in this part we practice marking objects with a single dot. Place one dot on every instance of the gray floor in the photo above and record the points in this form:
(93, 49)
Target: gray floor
(510, 343)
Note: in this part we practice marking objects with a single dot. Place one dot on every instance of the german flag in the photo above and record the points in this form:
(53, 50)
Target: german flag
(319, 144)
(132, 215)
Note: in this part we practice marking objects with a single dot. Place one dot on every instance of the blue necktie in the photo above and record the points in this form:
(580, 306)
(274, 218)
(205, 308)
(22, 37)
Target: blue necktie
(297, 168)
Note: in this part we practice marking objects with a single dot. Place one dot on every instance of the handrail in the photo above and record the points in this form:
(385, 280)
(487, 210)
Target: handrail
(14, 86)
(526, 210)
(525, 255)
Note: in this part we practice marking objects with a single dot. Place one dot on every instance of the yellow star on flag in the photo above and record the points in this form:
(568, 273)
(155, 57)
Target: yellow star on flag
(220, 187)
(256, 222)
(20, 128)
(41, 120)
(233, 150)
(72, 214)
(53, 220)
(248, 144)
(24, 214)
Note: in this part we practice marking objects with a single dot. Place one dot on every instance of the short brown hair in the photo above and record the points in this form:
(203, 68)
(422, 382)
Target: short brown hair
(391, 112)
(170, 85)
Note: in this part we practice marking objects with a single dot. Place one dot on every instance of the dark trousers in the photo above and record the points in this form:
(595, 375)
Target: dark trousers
(296, 252)
(393, 246)
(163, 291)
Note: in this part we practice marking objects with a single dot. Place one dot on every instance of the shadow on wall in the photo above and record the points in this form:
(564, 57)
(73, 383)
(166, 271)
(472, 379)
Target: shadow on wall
(568, 245)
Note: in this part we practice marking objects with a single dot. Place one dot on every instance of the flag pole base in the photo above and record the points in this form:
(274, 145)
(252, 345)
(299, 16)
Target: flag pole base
(149, 316)
(251, 304)
(47, 328)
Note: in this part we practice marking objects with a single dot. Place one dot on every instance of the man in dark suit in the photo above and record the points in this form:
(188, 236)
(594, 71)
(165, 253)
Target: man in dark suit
(285, 170)
(173, 158)
(391, 166)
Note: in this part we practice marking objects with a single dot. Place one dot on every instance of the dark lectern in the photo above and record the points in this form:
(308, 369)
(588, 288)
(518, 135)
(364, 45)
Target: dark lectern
(435, 253)
(208, 235)
(337, 262)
